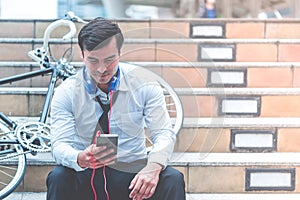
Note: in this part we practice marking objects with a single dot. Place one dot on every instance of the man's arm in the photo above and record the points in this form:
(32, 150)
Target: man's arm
(63, 129)
(160, 126)
(163, 137)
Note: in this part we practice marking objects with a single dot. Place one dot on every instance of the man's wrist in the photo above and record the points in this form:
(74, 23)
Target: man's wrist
(158, 165)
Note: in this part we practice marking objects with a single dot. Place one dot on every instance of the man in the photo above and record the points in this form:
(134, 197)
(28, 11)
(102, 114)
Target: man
(134, 101)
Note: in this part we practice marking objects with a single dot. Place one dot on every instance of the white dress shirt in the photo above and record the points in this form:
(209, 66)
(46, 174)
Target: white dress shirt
(140, 103)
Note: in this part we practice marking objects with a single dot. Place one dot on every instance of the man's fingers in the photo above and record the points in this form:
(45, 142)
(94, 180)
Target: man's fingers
(104, 153)
(133, 182)
(136, 188)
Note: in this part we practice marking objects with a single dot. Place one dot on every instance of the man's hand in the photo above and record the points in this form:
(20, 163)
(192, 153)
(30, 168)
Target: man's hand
(95, 157)
(144, 183)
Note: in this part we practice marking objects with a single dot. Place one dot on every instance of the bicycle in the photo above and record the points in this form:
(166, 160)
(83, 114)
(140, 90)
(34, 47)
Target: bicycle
(17, 140)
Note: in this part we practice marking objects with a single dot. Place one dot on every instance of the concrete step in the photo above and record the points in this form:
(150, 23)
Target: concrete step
(42, 195)
(273, 196)
(208, 173)
(225, 135)
(175, 28)
(27, 196)
(217, 122)
(197, 102)
(190, 74)
(179, 50)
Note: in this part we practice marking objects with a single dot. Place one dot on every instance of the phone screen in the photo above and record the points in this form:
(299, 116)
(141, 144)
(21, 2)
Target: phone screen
(108, 140)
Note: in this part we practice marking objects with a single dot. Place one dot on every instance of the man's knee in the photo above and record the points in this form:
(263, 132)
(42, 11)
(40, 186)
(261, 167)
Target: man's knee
(60, 176)
(174, 178)
(171, 185)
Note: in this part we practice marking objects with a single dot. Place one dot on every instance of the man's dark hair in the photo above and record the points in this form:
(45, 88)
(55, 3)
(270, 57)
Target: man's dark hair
(98, 33)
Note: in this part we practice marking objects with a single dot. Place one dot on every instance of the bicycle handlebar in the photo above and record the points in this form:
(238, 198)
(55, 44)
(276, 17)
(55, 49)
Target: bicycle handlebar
(41, 54)
(54, 25)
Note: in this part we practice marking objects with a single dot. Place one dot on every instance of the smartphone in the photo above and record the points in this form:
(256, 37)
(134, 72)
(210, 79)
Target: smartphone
(108, 140)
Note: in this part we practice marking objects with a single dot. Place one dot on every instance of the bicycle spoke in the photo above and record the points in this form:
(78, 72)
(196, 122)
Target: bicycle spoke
(7, 167)
(12, 161)
(7, 174)
(2, 183)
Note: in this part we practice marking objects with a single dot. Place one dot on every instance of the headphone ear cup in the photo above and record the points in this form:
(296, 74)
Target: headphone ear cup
(113, 83)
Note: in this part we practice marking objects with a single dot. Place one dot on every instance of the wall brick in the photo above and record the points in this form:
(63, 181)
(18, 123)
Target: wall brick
(270, 77)
(15, 52)
(207, 179)
(169, 29)
(135, 29)
(283, 30)
(36, 103)
(35, 179)
(256, 53)
(296, 78)
(203, 140)
(138, 52)
(245, 30)
(16, 29)
(289, 53)
(199, 106)
(185, 77)
(176, 52)
(280, 106)
(289, 140)
(14, 105)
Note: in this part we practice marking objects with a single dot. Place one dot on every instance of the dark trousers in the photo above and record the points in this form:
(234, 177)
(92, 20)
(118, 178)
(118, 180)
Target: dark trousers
(64, 183)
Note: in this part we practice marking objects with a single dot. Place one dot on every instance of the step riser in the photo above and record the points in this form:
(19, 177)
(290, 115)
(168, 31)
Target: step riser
(228, 140)
(183, 28)
(194, 106)
(185, 51)
(233, 180)
(209, 179)
(197, 77)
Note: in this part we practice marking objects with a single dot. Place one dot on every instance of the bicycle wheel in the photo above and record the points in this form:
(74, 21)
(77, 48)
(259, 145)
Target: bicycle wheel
(12, 163)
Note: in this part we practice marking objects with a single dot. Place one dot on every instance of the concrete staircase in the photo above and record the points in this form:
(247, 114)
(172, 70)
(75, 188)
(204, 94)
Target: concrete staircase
(239, 84)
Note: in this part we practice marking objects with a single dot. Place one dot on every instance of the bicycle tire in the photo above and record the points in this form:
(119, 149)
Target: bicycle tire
(12, 169)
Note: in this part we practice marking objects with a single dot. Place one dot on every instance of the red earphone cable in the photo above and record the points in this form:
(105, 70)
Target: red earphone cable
(94, 170)
(93, 161)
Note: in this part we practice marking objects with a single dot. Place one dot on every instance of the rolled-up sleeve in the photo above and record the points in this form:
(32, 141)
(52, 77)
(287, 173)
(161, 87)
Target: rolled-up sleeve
(63, 131)
(159, 124)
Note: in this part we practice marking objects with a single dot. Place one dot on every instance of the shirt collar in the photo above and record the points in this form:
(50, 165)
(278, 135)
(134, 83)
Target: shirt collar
(91, 85)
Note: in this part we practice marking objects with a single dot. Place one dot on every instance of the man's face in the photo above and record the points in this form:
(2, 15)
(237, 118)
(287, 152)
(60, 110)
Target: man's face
(102, 63)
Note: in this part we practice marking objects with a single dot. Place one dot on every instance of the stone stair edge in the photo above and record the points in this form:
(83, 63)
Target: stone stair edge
(189, 196)
(174, 64)
(212, 20)
(162, 40)
(196, 159)
(249, 196)
(180, 91)
(215, 122)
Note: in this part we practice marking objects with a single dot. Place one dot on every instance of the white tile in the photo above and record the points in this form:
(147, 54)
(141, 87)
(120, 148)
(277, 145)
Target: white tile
(227, 77)
(270, 179)
(219, 53)
(239, 106)
(207, 31)
(258, 140)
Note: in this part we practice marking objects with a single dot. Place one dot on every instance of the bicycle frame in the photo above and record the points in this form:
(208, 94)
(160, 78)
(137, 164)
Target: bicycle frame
(46, 106)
